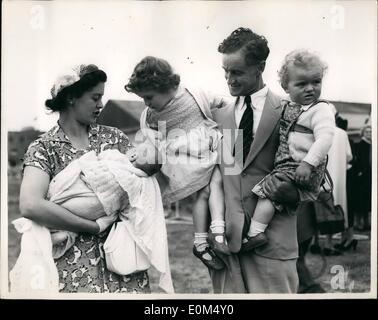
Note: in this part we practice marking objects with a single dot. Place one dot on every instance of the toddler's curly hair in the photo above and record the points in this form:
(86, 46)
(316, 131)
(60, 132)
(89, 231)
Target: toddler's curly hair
(152, 73)
(302, 59)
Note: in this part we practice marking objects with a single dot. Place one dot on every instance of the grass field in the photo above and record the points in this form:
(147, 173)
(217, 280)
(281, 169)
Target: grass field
(191, 276)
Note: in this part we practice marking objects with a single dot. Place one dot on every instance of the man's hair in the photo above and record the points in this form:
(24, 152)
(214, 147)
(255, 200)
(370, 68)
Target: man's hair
(254, 46)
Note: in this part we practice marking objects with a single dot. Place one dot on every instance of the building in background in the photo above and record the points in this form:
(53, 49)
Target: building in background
(122, 114)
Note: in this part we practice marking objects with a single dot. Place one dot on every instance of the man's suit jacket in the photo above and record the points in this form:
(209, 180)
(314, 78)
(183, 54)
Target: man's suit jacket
(239, 179)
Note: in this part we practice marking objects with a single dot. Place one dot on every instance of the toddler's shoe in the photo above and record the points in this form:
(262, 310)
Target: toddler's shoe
(254, 242)
(214, 263)
(218, 247)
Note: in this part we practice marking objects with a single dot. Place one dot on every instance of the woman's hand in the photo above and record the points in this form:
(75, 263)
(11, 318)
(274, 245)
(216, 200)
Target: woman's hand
(303, 173)
(104, 222)
(59, 237)
(95, 228)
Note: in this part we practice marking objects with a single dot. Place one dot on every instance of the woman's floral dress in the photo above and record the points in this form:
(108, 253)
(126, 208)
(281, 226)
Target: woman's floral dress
(83, 266)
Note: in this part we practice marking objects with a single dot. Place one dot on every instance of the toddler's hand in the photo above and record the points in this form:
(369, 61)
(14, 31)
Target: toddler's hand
(132, 155)
(303, 173)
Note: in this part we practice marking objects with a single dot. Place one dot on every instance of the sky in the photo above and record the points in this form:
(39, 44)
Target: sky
(41, 39)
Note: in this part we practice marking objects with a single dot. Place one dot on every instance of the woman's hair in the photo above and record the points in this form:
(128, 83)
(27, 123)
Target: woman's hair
(152, 74)
(254, 46)
(302, 59)
(76, 90)
(362, 133)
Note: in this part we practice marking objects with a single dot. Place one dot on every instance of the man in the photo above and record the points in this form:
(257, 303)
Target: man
(270, 268)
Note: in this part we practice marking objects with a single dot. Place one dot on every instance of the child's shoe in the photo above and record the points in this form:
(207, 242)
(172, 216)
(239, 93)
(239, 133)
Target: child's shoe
(219, 247)
(214, 263)
(254, 242)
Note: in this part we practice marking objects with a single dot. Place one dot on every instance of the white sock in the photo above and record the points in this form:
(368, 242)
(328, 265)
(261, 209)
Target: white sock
(218, 226)
(200, 240)
(256, 228)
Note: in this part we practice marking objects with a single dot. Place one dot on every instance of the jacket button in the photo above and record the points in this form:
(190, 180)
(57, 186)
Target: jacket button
(243, 174)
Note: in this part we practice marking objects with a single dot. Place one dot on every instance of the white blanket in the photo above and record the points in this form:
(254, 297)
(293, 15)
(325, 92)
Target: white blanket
(35, 270)
(113, 181)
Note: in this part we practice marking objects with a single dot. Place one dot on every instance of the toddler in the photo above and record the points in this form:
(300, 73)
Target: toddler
(306, 131)
(190, 139)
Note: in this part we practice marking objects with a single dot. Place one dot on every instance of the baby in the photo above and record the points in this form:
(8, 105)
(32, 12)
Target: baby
(95, 194)
(306, 131)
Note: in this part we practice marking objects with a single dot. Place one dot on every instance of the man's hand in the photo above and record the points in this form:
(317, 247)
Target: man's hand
(281, 189)
(303, 173)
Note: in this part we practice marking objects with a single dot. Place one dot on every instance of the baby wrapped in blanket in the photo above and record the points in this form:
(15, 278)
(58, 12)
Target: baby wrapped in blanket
(89, 188)
(106, 187)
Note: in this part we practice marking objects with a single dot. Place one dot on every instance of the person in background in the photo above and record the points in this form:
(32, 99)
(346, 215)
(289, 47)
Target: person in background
(339, 159)
(363, 180)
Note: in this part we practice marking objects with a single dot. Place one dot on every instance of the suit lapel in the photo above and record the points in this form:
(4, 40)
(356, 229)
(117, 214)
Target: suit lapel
(228, 117)
(226, 121)
(270, 115)
(229, 123)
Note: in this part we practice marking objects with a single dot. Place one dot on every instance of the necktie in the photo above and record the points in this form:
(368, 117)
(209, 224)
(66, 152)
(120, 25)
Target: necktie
(246, 127)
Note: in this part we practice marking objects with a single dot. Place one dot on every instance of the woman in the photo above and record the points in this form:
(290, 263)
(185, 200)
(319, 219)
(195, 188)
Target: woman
(77, 96)
(363, 180)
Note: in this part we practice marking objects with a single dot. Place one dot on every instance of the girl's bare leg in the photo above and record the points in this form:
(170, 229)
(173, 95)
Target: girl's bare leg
(201, 219)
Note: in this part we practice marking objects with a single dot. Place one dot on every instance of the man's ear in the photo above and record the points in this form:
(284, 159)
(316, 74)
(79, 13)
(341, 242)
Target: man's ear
(261, 66)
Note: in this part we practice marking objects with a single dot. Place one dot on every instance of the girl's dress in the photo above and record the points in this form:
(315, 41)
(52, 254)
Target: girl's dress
(297, 140)
(190, 142)
(83, 268)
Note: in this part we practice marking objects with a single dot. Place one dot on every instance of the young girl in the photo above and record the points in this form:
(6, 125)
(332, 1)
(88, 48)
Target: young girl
(183, 117)
(306, 131)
